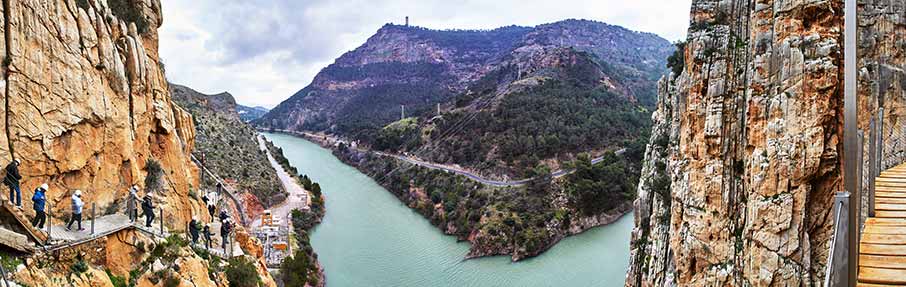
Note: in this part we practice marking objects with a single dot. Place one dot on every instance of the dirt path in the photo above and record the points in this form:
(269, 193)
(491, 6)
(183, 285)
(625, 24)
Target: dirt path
(298, 197)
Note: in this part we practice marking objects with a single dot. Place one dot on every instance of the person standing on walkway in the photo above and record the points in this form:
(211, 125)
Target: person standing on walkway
(131, 204)
(223, 216)
(225, 229)
(77, 205)
(207, 236)
(11, 180)
(194, 228)
(212, 204)
(148, 209)
(39, 199)
(211, 210)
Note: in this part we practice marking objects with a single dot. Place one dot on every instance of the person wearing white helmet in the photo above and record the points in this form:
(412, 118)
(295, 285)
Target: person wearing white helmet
(39, 200)
(11, 180)
(77, 205)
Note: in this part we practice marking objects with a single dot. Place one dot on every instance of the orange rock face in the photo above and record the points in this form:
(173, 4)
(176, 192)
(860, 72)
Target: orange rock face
(87, 104)
(745, 154)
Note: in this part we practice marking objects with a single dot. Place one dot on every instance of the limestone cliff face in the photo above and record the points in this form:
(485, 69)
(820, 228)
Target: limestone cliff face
(86, 102)
(745, 153)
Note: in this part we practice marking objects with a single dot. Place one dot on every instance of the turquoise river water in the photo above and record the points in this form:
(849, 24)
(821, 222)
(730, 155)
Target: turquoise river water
(369, 238)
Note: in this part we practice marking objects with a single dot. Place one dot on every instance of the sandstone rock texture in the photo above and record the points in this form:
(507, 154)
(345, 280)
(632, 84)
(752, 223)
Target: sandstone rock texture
(86, 103)
(746, 150)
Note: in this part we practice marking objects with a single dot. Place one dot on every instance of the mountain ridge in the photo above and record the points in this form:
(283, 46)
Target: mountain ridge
(423, 67)
(507, 103)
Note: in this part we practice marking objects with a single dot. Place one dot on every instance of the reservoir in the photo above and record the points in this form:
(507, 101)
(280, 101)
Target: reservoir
(369, 238)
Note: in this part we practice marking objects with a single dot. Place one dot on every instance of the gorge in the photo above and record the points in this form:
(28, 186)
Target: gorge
(513, 102)
(369, 238)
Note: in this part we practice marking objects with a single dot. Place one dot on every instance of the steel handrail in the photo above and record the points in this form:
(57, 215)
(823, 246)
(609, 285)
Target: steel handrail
(841, 208)
(833, 245)
(225, 189)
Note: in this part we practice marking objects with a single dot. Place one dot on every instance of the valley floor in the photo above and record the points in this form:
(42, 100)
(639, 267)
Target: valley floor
(490, 235)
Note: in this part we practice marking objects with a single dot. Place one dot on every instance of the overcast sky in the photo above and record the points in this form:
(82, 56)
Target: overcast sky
(263, 51)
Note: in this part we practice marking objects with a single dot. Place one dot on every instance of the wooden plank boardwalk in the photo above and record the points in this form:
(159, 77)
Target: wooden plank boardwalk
(882, 250)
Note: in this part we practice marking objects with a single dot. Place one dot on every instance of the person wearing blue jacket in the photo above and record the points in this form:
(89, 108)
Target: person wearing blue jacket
(39, 199)
(77, 205)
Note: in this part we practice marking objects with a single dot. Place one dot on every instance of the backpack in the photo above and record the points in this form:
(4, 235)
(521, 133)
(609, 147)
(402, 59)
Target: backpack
(146, 203)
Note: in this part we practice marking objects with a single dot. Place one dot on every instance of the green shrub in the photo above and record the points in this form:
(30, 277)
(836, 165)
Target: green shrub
(134, 274)
(241, 272)
(9, 262)
(79, 266)
(677, 61)
(154, 179)
(298, 270)
(117, 281)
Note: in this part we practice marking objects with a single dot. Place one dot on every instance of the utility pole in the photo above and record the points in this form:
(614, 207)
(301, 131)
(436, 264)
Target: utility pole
(851, 149)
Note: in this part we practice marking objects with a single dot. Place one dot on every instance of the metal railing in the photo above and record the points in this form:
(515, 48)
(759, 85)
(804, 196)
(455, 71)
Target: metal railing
(837, 263)
(223, 189)
(885, 148)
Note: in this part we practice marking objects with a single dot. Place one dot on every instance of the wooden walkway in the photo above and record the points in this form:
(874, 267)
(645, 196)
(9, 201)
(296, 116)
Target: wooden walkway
(882, 259)
(110, 224)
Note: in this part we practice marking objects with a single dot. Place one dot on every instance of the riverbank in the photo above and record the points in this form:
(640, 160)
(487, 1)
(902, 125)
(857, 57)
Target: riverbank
(299, 215)
(494, 220)
(371, 238)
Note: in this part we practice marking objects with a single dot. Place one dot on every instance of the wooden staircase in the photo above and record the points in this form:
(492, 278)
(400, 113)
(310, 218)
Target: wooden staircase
(38, 235)
(882, 259)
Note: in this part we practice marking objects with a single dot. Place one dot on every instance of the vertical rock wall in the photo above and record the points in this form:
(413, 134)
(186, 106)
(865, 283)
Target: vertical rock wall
(87, 102)
(745, 154)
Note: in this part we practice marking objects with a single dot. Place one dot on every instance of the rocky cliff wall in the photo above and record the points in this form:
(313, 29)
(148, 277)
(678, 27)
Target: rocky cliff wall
(86, 102)
(745, 153)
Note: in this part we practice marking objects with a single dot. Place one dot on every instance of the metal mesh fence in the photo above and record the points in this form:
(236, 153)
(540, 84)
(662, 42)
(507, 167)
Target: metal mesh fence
(894, 139)
(886, 138)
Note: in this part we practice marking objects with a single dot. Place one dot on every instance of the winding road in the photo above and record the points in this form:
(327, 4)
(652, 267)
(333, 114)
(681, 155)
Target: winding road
(437, 166)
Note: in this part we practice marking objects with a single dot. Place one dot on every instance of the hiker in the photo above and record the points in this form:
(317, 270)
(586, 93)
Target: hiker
(211, 210)
(194, 227)
(12, 181)
(131, 209)
(224, 216)
(207, 236)
(148, 209)
(76, 210)
(212, 204)
(39, 199)
(225, 229)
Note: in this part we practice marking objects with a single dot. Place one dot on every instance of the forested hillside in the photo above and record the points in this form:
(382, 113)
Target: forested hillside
(228, 145)
(500, 101)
